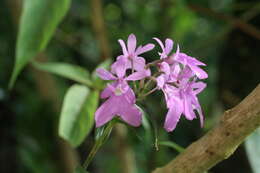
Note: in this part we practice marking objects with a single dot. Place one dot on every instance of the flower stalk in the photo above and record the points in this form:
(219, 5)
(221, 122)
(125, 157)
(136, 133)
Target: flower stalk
(98, 143)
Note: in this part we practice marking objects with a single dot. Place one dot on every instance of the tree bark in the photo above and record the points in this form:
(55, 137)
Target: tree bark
(220, 142)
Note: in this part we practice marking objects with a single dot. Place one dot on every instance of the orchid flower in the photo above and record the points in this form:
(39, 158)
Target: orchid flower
(180, 94)
(183, 100)
(166, 50)
(121, 98)
(193, 64)
(178, 79)
(131, 53)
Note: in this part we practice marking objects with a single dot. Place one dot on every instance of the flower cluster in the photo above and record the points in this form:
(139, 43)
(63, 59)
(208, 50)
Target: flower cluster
(178, 75)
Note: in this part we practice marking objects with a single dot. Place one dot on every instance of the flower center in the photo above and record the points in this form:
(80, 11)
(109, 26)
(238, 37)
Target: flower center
(118, 91)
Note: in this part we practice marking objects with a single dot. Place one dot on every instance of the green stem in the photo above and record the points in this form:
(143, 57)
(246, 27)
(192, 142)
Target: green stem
(146, 94)
(98, 143)
(172, 145)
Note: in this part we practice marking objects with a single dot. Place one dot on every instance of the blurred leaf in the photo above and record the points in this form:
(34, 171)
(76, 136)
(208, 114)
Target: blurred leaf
(172, 145)
(80, 169)
(38, 22)
(77, 115)
(253, 150)
(69, 71)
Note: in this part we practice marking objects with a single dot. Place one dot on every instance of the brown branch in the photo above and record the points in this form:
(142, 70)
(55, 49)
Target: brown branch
(239, 23)
(99, 28)
(220, 142)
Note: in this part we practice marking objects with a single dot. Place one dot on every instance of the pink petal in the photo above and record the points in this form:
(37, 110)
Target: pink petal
(165, 68)
(108, 91)
(131, 44)
(160, 81)
(198, 86)
(195, 102)
(130, 96)
(188, 110)
(143, 49)
(168, 46)
(181, 58)
(138, 63)
(131, 114)
(176, 69)
(175, 56)
(160, 43)
(114, 65)
(186, 73)
(123, 46)
(194, 61)
(119, 67)
(137, 75)
(105, 75)
(172, 118)
(105, 112)
(199, 72)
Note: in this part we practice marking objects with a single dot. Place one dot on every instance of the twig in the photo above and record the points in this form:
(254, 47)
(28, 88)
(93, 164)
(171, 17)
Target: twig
(100, 29)
(219, 143)
(246, 16)
(246, 27)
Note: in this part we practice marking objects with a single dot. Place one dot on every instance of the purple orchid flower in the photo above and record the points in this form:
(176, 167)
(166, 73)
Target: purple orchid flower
(193, 64)
(180, 94)
(131, 53)
(166, 50)
(182, 100)
(121, 98)
(182, 58)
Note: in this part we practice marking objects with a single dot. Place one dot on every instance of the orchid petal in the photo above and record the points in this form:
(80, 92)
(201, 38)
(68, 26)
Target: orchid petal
(194, 61)
(131, 43)
(168, 46)
(105, 75)
(131, 114)
(165, 68)
(198, 86)
(105, 112)
(196, 104)
(130, 96)
(138, 63)
(160, 43)
(172, 118)
(137, 75)
(119, 67)
(108, 91)
(188, 110)
(123, 46)
(143, 49)
(160, 81)
(199, 72)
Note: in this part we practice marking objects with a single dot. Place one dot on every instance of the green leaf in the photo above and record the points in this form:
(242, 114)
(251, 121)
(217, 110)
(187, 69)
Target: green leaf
(253, 150)
(69, 71)
(77, 115)
(39, 20)
(80, 169)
